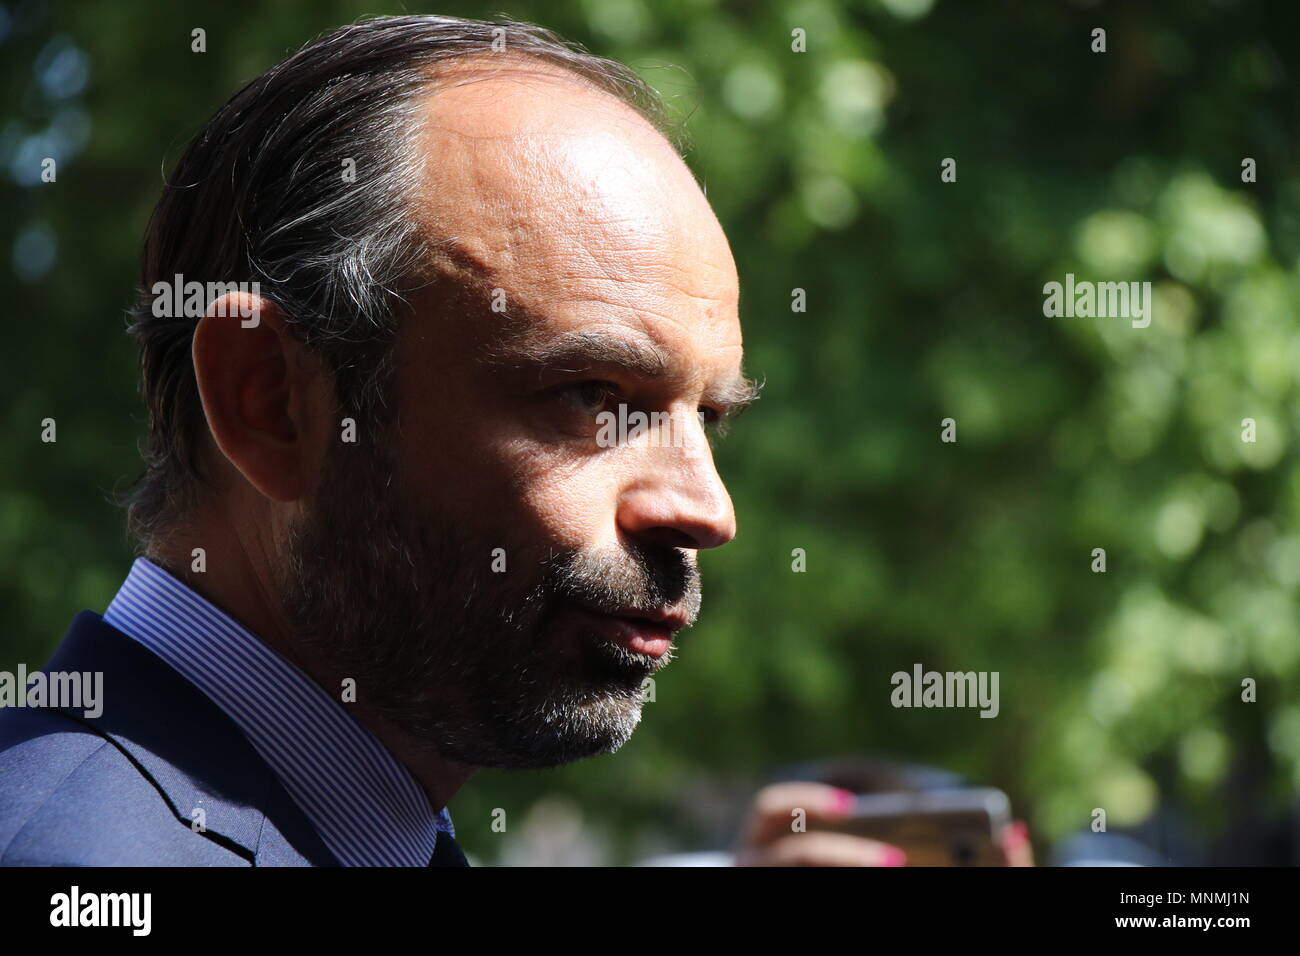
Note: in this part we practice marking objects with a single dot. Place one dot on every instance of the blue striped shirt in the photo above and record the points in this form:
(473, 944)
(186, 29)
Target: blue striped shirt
(366, 806)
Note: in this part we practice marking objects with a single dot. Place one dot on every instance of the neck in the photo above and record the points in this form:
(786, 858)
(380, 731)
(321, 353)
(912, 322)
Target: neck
(235, 579)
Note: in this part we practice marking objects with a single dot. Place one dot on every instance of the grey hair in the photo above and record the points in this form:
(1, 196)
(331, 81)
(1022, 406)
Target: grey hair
(259, 195)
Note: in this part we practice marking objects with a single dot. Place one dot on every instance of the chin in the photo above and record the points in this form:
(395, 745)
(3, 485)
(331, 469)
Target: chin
(578, 729)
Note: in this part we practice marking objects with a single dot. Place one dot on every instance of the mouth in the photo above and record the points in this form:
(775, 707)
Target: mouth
(647, 632)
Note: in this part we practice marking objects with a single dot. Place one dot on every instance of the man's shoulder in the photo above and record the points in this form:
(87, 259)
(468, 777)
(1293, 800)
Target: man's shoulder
(162, 777)
(71, 797)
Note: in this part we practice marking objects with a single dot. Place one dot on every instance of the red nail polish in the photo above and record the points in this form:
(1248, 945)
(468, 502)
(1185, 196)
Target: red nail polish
(893, 857)
(843, 803)
(1017, 833)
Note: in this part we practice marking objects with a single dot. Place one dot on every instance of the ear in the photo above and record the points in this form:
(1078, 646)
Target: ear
(265, 397)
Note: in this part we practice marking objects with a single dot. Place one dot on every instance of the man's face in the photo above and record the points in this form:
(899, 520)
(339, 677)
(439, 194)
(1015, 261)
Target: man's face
(500, 578)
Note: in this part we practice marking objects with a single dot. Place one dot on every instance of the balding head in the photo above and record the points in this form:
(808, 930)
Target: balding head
(529, 149)
(306, 182)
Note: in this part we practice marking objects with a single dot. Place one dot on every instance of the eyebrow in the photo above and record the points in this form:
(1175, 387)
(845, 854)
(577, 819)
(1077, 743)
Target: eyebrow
(586, 350)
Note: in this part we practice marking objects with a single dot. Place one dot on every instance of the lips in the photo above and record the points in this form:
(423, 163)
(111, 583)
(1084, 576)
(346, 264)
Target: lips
(641, 631)
(667, 618)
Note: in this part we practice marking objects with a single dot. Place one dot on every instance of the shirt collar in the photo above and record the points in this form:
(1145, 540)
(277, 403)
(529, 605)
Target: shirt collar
(366, 806)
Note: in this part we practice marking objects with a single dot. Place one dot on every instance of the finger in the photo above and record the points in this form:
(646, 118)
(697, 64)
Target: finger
(1016, 847)
(821, 848)
(778, 807)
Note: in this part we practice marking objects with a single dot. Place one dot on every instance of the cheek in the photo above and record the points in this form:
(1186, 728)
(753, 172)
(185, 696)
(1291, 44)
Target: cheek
(486, 470)
(568, 503)
(518, 493)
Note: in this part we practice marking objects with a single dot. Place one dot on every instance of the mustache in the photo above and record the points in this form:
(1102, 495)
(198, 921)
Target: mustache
(635, 580)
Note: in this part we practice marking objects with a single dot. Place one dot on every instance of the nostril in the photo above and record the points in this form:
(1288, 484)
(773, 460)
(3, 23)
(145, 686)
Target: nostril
(673, 538)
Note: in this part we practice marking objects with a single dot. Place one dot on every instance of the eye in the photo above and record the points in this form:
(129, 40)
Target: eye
(709, 416)
(590, 396)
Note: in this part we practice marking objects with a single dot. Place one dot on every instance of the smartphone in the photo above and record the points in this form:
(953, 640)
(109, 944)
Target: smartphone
(960, 827)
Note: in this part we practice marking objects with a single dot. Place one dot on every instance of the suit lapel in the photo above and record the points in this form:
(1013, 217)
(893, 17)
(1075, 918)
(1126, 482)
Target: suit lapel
(193, 753)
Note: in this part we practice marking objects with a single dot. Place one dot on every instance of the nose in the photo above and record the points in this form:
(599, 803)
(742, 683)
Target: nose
(677, 498)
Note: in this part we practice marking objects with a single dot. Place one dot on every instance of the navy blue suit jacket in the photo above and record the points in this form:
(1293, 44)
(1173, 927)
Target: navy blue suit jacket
(121, 789)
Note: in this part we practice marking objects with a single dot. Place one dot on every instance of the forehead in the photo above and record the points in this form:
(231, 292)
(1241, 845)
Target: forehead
(573, 212)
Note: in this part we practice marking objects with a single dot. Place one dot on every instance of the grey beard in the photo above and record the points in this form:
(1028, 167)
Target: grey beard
(454, 655)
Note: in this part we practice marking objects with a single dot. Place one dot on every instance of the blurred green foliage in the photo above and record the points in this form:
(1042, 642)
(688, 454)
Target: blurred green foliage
(1119, 690)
